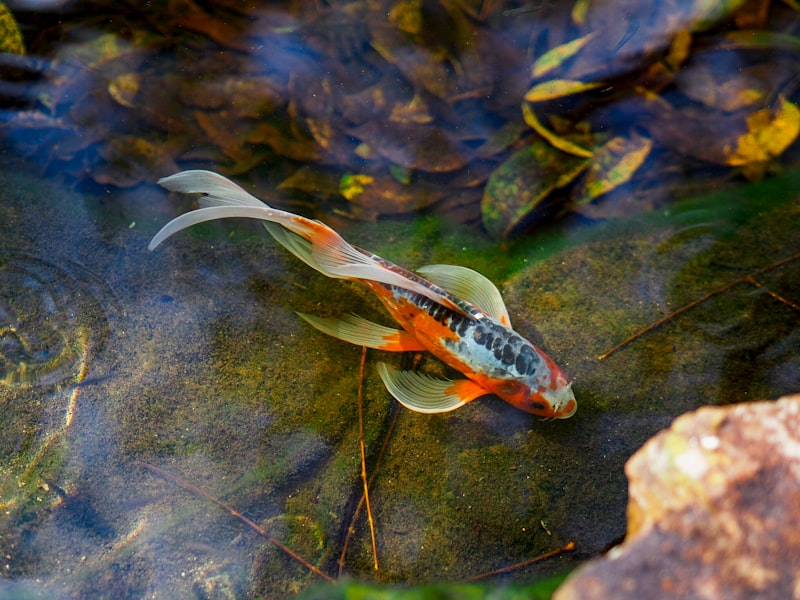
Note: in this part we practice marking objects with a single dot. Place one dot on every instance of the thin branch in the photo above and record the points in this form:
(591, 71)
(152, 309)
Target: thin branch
(364, 454)
(236, 514)
(746, 279)
(568, 547)
(772, 294)
(352, 528)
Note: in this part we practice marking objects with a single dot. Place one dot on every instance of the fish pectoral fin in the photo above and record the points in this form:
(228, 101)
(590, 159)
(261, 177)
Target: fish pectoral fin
(425, 394)
(358, 330)
(470, 286)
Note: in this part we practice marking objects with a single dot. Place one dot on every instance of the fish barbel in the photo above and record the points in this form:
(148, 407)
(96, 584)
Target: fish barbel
(453, 312)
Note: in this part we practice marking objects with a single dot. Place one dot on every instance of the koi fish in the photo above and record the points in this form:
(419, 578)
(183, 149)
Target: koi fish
(453, 312)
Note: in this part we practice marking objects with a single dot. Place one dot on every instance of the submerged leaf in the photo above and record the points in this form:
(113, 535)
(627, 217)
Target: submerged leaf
(559, 88)
(555, 57)
(352, 184)
(613, 165)
(314, 180)
(132, 160)
(769, 133)
(414, 146)
(10, 35)
(124, 88)
(372, 197)
(523, 182)
(557, 141)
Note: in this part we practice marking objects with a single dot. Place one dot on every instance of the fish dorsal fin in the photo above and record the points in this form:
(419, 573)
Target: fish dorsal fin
(425, 394)
(470, 286)
(358, 330)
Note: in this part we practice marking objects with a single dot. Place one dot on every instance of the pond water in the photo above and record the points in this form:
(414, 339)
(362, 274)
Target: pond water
(136, 387)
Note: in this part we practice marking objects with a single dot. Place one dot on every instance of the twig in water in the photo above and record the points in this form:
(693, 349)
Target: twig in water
(236, 514)
(568, 547)
(364, 454)
(352, 528)
(749, 279)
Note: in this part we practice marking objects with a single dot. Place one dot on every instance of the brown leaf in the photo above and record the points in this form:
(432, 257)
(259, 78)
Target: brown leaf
(414, 146)
(132, 160)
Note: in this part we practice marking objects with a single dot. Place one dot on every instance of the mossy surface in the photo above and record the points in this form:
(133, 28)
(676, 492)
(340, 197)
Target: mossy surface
(210, 376)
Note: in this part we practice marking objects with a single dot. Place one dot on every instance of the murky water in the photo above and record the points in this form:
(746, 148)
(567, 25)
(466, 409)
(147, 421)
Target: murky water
(134, 385)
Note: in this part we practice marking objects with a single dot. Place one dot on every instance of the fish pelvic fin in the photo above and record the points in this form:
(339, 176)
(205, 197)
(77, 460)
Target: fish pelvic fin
(358, 330)
(316, 244)
(425, 394)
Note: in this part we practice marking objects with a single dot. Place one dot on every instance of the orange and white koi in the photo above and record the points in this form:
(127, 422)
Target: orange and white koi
(453, 312)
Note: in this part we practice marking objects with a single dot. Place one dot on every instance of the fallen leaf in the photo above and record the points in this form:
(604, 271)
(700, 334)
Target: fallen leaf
(10, 36)
(555, 57)
(559, 88)
(613, 164)
(414, 146)
(352, 185)
(769, 133)
(523, 182)
(557, 141)
(124, 87)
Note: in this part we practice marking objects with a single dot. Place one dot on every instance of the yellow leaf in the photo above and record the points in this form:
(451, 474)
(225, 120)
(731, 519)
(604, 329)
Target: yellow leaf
(556, 141)
(580, 11)
(10, 35)
(124, 88)
(555, 57)
(558, 88)
(613, 165)
(407, 16)
(351, 186)
(769, 133)
(679, 50)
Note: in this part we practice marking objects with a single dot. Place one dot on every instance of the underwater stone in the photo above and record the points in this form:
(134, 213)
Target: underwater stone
(713, 511)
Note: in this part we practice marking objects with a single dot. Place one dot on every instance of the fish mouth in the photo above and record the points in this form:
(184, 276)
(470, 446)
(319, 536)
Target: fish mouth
(562, 400)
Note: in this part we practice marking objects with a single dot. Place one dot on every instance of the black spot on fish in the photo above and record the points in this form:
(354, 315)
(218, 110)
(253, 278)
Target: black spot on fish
(489, 340)
(527, 360)
(463, 327)
(508, 354)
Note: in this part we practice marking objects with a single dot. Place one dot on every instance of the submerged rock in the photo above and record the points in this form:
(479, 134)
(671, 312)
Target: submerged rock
(713, 510)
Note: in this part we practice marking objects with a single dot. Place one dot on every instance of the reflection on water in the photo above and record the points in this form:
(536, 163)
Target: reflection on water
(365, 114)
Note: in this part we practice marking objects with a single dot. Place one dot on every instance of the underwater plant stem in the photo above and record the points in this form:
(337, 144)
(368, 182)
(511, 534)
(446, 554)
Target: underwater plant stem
(749, 279)
(236, 514)
(364, 454)
(568, 547)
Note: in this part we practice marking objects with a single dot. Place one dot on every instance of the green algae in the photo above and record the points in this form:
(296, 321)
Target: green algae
(216, 380)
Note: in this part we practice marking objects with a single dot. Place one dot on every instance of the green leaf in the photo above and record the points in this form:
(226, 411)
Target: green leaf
(521, 183)
(613, 165)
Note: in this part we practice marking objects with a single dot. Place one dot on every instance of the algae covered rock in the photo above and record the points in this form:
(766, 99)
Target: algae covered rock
(713, 511)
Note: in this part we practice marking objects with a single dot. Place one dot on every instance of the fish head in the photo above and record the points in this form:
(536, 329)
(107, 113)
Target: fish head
(556, 401)
(560, 402)
(547, 394)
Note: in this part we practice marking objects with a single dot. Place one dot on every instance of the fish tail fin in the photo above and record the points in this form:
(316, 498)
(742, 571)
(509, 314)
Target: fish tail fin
(316, 244)
(293, 232)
